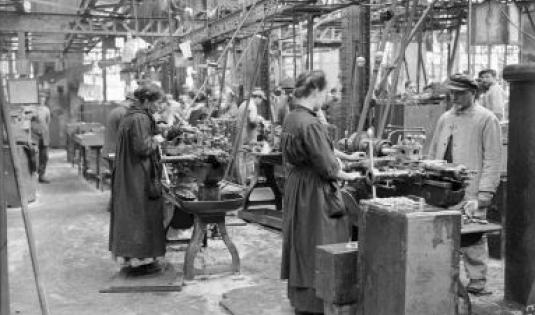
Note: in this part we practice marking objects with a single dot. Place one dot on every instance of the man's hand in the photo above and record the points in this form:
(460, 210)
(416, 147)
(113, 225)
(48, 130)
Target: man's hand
(485, 199)
(471, 208)
(158, 138)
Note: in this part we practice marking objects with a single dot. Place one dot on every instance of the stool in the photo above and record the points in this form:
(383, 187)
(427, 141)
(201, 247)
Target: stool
(200, 227)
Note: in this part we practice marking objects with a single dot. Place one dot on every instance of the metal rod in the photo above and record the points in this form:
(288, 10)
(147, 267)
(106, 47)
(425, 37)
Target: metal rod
(469, 36)
(104, 76)
(418, 64)
(310, 43)
(294, 39)
(222, 83)
(4, 274)
(25, 214)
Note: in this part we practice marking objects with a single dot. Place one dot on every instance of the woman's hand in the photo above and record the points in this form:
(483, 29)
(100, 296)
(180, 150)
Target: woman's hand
(351, 176)
(356, 156)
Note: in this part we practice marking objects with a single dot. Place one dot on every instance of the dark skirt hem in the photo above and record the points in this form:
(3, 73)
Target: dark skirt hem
(305, 300)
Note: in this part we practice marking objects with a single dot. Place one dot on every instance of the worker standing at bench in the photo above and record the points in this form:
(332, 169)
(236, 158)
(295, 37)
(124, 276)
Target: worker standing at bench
(315, 213)
(41, 134)
(470, 134)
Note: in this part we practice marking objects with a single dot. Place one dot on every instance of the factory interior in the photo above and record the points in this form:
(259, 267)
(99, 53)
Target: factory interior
(270, 157)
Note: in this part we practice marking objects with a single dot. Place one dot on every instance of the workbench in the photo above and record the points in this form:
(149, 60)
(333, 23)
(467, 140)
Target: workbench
(265, 176)
(205, 213)
(94, 142)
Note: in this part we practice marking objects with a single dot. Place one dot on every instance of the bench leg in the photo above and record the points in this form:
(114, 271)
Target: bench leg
(248, 194)
(199, 230)
(231, 247)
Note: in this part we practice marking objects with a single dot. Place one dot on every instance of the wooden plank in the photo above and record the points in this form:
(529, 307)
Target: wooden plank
(267, 217)
(142, 289)
(336, 273)
(480, 228)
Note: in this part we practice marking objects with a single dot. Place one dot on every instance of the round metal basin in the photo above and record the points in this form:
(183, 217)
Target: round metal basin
(211, 207)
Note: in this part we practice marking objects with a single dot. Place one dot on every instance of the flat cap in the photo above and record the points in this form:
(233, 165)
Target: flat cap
(461, 82)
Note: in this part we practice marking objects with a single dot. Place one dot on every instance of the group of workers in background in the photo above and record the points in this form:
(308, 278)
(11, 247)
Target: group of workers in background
(314, 213)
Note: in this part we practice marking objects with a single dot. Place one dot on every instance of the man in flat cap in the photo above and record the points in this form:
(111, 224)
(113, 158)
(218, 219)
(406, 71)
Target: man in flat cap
(470, 134)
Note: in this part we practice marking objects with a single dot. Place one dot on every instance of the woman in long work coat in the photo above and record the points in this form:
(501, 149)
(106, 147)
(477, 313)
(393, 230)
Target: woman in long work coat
(137, 239)
(314, 210)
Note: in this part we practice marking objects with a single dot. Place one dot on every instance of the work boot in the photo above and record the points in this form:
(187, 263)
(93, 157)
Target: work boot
(43, 180)
(477, 287)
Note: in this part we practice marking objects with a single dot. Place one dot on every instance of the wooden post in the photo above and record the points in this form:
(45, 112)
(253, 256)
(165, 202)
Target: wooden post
(453, 54)
(4, 275)
(222, 83)
(104, 76)
(25, 214)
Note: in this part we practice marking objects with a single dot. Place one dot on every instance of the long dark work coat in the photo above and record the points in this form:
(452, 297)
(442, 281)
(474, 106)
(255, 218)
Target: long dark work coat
(136, 227)
(314, 209)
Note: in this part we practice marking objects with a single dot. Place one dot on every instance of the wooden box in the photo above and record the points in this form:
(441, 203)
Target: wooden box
(408, 260)
(336, 273)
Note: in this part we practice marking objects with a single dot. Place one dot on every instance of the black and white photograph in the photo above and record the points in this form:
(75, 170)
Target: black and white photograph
(267, 157)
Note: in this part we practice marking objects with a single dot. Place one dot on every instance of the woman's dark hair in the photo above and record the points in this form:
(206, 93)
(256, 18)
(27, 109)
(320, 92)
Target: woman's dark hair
(308, 81)
(150, 92)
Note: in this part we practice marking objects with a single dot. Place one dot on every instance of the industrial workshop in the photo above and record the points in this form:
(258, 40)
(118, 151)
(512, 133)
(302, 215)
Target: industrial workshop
(267, 157)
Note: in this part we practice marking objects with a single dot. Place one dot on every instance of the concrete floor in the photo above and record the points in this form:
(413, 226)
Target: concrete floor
(71, 229)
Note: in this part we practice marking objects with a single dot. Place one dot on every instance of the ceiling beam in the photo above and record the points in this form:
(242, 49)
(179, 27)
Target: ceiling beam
(61, 24)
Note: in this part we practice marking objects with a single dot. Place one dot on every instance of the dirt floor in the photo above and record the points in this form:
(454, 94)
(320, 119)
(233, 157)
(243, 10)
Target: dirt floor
(70, 224)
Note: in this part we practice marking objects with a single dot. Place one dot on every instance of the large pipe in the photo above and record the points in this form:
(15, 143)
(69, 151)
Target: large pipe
(520, 214)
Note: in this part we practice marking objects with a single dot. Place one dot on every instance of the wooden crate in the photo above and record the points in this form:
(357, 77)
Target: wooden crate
(408, 262)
